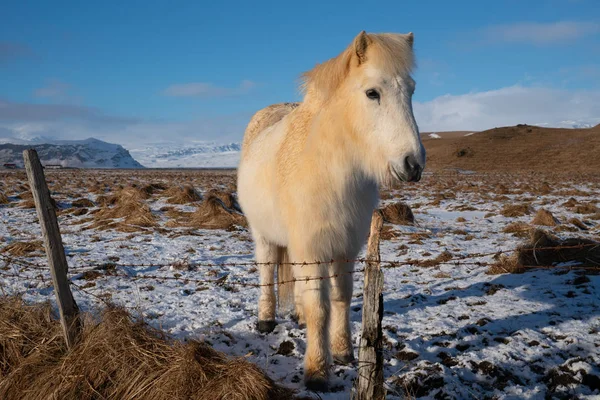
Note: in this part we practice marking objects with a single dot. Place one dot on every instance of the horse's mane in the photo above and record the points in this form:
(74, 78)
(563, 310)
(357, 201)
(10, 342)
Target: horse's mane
(389, 51)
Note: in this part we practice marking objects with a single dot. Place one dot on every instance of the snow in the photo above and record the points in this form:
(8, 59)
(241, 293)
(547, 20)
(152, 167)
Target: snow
(188, 155)
(434, 136)
(501, 334)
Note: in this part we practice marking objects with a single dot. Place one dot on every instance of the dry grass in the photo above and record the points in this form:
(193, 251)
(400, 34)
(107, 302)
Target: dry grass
(516, 210)
(213, 213)
(529, 253)
(398, 213)
(577, 222)
(443, 257)
(131, 210)
(518, 229)
(506, 265)
(4, 199)
(227, 198)
(153, 188)
(116, 357)
(545, 218)
(181, 195)
(588, 208)
(20, 249)
(82, 203)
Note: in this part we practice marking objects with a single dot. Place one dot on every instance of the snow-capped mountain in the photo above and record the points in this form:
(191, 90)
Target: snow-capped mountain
(88, 153)
(192, 155)
(568, 124)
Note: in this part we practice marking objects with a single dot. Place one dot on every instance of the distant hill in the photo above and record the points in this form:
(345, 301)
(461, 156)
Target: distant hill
(517, 148)
(89, 153)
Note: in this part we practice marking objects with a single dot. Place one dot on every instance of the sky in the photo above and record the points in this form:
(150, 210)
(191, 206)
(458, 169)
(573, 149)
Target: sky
(159, 71)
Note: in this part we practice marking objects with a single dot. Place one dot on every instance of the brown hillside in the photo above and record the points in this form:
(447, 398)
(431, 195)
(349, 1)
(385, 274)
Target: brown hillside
(518, 148)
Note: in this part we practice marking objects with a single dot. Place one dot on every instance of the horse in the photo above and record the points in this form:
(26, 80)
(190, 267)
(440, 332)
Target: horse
(308, 183)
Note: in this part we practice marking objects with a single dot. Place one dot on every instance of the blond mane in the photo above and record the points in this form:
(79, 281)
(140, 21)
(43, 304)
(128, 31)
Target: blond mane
(389, 51)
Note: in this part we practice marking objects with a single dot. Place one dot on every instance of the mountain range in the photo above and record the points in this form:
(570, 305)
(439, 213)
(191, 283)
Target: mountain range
(88, 153)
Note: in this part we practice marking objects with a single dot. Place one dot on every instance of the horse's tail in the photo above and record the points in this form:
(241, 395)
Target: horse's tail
(285, 281)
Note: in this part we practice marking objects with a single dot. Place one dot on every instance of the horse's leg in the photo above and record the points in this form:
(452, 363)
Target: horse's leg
(341, 295)
(266, 253)
(315, 303)
(299, 311)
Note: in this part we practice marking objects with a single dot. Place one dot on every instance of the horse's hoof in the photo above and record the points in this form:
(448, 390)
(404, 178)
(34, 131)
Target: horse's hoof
(266, 326)
(344, 359)
(316, 384)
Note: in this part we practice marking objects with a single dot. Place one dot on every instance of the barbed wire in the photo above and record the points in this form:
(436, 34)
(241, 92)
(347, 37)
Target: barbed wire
(94, 266)
(110, 268)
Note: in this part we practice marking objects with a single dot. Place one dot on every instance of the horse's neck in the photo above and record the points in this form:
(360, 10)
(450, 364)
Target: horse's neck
(328, 147)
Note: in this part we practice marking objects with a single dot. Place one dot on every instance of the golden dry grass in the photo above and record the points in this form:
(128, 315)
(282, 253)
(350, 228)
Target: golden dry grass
(82, 203)
(213, 213)
(181, 195)
(19, 249)
(116, 357)
(545, 218)
(516, 210)
(129, 208)
(398, 213)
(518, 229)
(536, 252)
(4, 199)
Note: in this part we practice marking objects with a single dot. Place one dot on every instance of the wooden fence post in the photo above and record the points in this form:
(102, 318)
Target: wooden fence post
(69, 312)
(370, 357)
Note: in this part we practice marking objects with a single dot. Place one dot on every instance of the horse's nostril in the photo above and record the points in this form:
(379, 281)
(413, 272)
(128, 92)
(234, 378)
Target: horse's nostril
(413, 169)
(409, 163)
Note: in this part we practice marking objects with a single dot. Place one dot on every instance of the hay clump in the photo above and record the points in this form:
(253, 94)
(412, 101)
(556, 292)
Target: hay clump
(398, 213)
(582, 251)
(130, 208)
(516, 210)
(117, 357)
(587, 208)
(155, 187)
(4, 199)
(518, 229)
(506, 265)
(545, 218)
(20, 249)
(213, 213)
(82, 203)
(181, 195)
(227, 198)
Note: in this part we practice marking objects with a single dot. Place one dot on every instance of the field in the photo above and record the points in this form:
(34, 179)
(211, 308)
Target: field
(461, 320)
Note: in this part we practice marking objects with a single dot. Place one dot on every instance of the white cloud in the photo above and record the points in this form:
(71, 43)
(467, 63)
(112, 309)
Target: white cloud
(508, 106)
(203, 89)
(540, 33)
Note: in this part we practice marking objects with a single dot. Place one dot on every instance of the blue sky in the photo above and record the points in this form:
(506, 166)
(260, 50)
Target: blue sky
(150, 71)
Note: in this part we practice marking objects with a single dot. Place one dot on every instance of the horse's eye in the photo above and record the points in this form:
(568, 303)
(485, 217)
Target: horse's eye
(372, 94)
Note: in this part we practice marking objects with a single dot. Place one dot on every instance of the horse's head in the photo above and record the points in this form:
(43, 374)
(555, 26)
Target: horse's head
(370, 83)
(380, 91)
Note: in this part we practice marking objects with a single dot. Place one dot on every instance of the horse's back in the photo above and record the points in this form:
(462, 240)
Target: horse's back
(266, 118)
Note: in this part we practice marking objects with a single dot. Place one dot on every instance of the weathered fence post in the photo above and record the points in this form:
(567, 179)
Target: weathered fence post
(69, 312)
(370, 357)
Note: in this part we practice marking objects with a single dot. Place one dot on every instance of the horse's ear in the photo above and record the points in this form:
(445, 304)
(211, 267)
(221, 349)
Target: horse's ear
(410, 38)
(361, 42)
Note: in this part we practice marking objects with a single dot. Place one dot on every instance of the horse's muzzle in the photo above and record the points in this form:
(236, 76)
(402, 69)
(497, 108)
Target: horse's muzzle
(412, 169)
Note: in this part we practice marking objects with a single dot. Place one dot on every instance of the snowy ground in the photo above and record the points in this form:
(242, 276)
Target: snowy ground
(451, 331)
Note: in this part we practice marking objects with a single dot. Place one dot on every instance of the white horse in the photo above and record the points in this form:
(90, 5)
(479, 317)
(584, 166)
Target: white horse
(308, 183)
